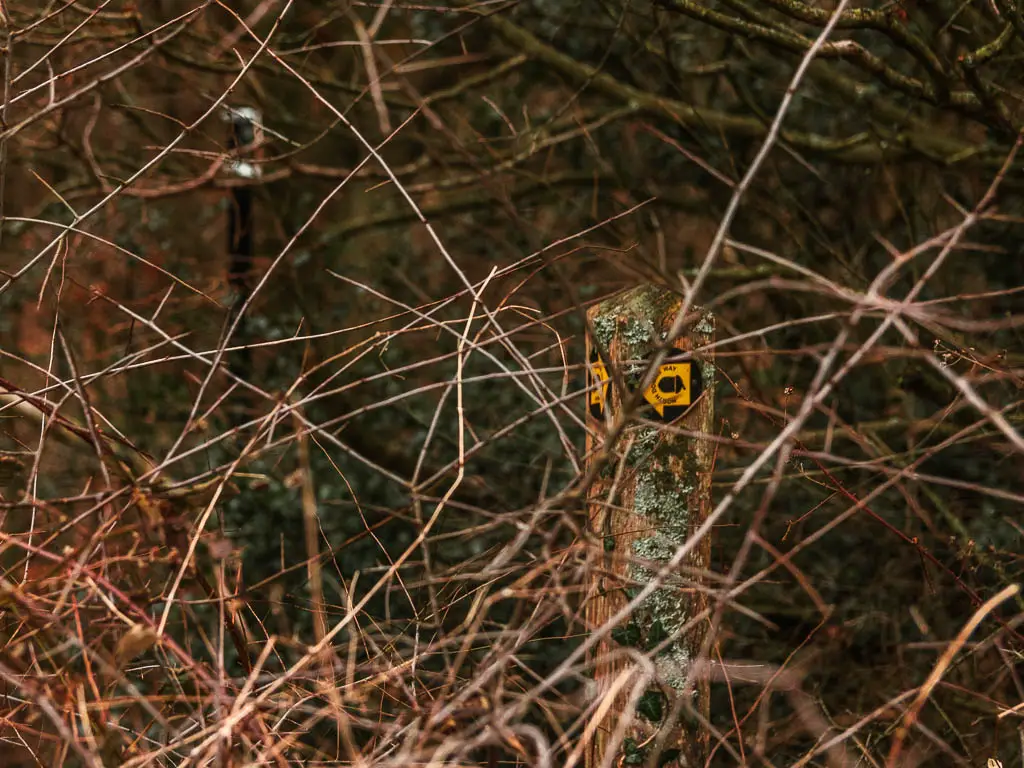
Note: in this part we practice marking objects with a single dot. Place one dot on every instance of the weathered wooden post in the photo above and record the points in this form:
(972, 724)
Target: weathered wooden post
(661, 481)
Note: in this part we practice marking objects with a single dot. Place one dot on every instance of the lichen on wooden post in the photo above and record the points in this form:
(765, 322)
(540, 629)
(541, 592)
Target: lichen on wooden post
(651, 494)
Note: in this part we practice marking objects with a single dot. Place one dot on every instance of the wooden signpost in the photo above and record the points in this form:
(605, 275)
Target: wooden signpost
(651, 493)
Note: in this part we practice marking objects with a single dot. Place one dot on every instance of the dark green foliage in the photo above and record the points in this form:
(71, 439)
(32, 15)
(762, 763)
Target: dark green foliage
(652, 705)
(629, 635)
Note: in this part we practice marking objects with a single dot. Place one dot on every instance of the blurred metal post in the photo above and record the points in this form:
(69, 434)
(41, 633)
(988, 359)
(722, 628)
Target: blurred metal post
(646, 501)
(245, 132)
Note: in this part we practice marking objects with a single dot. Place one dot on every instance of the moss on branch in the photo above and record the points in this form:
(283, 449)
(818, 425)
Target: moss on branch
(919, 137)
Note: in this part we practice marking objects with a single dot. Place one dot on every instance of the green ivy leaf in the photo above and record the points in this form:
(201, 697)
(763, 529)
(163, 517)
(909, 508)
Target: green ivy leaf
(629, 635)
(632, 753)
(652, 705)
(656, 634)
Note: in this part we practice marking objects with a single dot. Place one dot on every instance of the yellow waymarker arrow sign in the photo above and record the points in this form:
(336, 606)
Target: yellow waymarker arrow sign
(671, 389)
(598, 396)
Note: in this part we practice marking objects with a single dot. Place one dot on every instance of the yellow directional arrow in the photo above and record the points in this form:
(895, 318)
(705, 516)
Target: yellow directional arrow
(598, 396)
(670, 388)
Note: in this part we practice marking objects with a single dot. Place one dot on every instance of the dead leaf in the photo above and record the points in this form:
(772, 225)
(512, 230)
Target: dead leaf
(136, 641)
